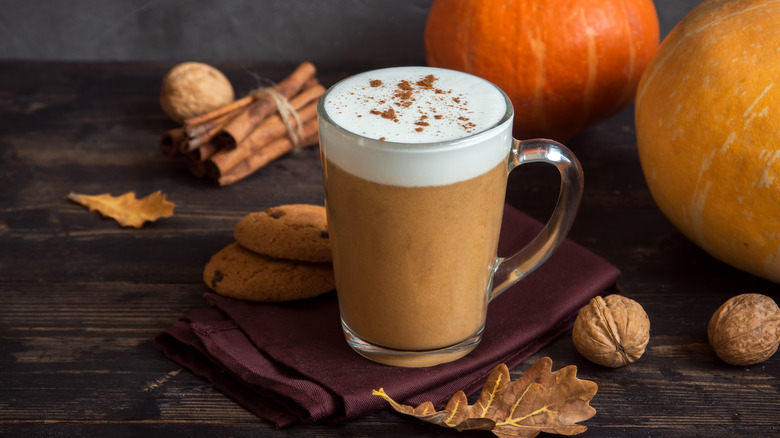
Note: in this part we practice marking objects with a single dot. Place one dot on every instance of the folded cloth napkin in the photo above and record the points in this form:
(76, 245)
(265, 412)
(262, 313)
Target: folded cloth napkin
(289, 362)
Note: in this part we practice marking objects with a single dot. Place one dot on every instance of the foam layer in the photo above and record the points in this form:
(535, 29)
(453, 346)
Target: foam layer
(415, 104)
(415, 126)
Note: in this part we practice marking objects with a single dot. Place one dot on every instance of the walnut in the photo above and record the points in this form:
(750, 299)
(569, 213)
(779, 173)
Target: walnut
(745, 330)
(612, 331)
(193, 88)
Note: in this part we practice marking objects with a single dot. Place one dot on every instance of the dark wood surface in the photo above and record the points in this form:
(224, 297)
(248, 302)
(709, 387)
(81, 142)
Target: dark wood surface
(82, 298)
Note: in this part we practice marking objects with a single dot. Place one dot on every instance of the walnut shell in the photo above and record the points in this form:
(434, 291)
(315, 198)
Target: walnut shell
(612, 331)
(745, 330)
(193, 88)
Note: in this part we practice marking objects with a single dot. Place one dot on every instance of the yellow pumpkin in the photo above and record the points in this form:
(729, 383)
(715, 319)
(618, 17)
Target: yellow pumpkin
(708, 130)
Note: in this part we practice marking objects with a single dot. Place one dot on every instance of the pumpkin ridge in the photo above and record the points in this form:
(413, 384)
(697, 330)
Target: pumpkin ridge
(469, 53)
(593, 69)
(755, 102)
(539, 49)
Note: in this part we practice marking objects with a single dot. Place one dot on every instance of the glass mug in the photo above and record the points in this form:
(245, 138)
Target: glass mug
(415, 164)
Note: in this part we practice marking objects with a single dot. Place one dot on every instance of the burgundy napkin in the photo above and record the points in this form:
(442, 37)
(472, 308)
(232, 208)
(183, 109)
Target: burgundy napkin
(289, 362)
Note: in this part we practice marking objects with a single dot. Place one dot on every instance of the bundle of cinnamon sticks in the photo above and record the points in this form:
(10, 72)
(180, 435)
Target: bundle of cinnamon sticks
(233, 141)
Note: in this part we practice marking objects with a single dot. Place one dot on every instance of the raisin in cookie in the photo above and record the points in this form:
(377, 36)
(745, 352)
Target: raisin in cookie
(236, 272)
(294, 232)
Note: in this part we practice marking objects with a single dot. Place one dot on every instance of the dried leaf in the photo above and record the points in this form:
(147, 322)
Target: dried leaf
(539, 401)
(126, 209)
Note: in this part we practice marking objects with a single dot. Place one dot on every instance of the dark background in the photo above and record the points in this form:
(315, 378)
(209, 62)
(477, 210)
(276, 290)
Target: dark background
(288, 31)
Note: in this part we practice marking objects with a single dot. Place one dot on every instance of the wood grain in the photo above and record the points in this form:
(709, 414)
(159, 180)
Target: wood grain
(83, 298)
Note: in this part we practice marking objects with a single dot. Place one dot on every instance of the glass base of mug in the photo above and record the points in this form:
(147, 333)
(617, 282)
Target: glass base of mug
(410, 359)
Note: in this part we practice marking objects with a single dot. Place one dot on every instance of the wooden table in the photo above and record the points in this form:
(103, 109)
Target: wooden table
(84, 298)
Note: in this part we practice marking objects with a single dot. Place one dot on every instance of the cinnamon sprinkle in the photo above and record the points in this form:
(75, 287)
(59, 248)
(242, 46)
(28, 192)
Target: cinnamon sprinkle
(389, 114)
(407, 92)
(427, 82)
(405, 85)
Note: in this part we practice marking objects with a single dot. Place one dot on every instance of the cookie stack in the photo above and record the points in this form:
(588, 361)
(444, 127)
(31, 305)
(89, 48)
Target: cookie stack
(280, 254)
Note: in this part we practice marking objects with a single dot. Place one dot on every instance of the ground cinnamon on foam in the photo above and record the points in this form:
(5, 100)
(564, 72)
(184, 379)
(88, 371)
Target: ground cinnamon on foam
(407, 92)
(427, 82)
(386, 114)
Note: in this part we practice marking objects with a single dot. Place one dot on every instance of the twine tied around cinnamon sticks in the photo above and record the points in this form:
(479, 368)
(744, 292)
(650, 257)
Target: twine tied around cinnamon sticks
(231, 142)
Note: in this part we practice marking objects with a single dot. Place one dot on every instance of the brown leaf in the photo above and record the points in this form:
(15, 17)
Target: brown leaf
(539, 401)
(126, 209)
(545, 401)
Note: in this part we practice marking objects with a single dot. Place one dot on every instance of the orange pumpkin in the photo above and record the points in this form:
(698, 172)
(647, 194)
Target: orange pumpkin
(565, 64)
(708, 131)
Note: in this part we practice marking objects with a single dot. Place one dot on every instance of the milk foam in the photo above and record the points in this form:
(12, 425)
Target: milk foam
(415, 126)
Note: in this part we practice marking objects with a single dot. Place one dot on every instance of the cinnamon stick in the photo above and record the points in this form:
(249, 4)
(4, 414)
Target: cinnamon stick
(171, 141)
(203, 152)
(268, 153)
(221, 111)
(273, 127)
(197, 168)
(247, 121)
(196, 130)
(204, 132)
(202, 128)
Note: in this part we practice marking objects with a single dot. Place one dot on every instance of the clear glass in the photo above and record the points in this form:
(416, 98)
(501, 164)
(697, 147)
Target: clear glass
(416, 266)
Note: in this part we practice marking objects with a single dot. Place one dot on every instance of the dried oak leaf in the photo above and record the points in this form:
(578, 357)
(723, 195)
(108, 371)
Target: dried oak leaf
(126, 209)
(539, 401)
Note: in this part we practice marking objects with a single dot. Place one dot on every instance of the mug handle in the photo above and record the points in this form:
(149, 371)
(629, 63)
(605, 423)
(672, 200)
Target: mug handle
(507, 271)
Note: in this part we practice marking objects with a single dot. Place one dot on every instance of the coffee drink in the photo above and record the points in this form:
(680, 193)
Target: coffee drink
(415, 171)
